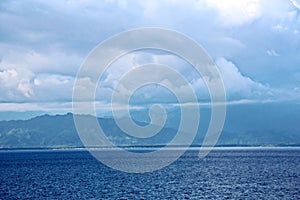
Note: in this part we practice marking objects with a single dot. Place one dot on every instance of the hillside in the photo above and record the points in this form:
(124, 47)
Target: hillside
(242, 127)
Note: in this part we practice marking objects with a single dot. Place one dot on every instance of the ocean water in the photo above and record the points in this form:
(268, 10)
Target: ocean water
(224, 174)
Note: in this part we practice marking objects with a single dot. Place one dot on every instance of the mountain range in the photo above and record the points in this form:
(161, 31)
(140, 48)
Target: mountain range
(245, 125)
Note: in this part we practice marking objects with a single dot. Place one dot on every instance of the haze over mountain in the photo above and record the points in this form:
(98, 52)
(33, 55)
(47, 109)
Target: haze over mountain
(269, 124)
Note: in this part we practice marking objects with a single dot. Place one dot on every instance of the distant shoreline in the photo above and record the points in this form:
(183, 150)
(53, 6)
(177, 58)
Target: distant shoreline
(154, 147)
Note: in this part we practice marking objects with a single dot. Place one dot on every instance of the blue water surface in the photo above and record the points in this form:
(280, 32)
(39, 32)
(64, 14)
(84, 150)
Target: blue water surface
(223, 174)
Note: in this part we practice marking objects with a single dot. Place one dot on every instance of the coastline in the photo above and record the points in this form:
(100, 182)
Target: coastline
(152, 148)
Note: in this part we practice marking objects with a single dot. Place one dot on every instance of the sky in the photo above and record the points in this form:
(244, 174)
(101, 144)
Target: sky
(254, 43)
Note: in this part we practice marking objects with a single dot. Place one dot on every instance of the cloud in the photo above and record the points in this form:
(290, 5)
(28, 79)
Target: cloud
(239, 86)
(52, 87)
(26, 89)
(15, 84)
(296, 3)
(232, 12)
(229, 12)
(22, 85)
(50, 107)
(280, 27)
(51, 93)
(39, 62)
(272, 52)
(43, 44)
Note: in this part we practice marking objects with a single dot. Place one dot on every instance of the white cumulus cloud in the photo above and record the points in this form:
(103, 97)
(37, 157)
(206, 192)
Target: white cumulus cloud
(15, 84)
(234, 12)
(239, 86)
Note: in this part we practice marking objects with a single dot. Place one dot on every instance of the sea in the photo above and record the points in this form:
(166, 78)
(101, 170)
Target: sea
(226, 173)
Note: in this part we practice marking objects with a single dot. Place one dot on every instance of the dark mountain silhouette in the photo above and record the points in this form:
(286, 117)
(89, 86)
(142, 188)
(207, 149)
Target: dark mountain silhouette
(59, 131)
(249, 125)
